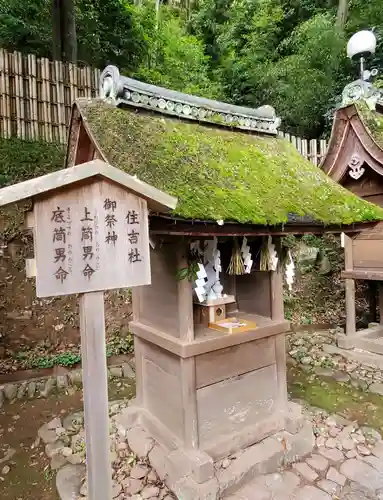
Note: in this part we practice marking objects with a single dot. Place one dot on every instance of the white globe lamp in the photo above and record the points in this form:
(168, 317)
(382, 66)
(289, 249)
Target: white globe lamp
(361, 44)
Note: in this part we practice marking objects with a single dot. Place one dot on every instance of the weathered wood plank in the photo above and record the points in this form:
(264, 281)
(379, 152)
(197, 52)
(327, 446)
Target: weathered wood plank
(95, 377)
(367, 254)
(216, 366)
(228, 406)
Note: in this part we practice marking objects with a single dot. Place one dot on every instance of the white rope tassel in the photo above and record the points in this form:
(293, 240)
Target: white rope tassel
(273, 256)
(290, 273)
(200, 283)
(246, 256)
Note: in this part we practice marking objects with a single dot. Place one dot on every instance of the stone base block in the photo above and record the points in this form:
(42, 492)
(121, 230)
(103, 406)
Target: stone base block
(345, 341)
(265, 457)
(370, 339)
(193, 475)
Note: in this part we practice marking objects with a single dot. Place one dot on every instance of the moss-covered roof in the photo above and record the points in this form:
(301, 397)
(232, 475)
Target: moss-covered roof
(218, 173)
(372, 120)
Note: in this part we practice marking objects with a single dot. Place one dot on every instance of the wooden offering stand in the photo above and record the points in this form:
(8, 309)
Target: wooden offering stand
(201, 393)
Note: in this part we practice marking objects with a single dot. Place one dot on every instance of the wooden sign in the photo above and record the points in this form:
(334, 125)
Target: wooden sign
(90, 237)
(90, 234)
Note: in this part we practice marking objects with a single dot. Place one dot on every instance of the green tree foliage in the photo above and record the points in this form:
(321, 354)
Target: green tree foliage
(174, 58)
(287, 53)
(24, 26)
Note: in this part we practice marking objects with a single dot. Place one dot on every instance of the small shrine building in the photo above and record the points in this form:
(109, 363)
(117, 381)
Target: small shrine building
(209, 330)
(355, 160)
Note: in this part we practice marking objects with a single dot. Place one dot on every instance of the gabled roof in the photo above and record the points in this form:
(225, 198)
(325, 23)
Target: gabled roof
(356, 142)
(46, 183)
(218, 172)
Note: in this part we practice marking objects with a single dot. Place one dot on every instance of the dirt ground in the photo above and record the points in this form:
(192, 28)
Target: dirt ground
(30, 477)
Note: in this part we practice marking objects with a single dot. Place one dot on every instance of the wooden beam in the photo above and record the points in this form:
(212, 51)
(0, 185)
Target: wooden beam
(173, 227)
(95, 386)
(203, 344)
(358, 274)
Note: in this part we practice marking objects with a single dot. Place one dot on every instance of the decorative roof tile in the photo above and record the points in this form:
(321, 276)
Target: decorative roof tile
(125, 91)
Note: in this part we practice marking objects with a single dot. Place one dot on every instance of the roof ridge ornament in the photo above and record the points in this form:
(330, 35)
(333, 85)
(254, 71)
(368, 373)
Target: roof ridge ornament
(121, 90)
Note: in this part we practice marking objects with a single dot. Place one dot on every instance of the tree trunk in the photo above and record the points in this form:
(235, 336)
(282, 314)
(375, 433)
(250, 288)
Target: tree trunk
(68, 30)
(341, 17)
(56, 30)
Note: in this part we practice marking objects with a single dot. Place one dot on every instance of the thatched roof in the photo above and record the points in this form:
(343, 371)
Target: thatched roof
(219, 172)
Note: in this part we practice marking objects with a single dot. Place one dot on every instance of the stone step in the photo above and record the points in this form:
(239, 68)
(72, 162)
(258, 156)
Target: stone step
(264, 458)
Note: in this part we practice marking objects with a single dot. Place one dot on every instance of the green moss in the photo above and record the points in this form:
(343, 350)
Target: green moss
(218, 173)
(21, 160)
(372, 120)
(335, 397)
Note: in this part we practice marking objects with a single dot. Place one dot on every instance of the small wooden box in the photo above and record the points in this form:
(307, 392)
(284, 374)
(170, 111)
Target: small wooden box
(233, 325)
(211, 311)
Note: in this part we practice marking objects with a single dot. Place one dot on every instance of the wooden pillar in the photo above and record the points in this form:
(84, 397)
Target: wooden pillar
(188, 371)
(185, 298)
(350, 288)
(276, 290)
(380, 287)
(136, 303)
(95, 387)
(277, 314)
(372, 292)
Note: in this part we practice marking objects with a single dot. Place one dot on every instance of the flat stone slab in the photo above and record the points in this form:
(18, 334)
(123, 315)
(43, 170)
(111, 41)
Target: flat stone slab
(328, 486)
(362, 473)
(311, 493)
(317, 462)
(269, 487)
(332, 454)
(69, 480)
(376, 388)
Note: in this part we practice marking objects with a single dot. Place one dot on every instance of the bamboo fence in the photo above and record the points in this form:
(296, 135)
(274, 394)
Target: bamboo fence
(36, 96)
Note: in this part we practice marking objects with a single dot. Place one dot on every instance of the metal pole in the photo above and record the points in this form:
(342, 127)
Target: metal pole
(362, 60)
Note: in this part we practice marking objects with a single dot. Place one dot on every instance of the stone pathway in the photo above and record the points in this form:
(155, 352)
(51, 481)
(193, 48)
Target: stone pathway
(346, 464)
(64, 440)
(317, 353)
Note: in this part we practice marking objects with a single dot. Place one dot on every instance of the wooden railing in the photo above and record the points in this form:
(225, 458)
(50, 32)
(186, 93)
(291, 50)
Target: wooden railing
(36, 96)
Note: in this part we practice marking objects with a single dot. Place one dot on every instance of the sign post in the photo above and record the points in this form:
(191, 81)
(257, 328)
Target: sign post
(95, 386)
(91, 234)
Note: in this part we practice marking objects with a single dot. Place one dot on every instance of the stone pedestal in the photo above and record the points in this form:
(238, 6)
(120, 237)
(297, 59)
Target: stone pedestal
(195, 475)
